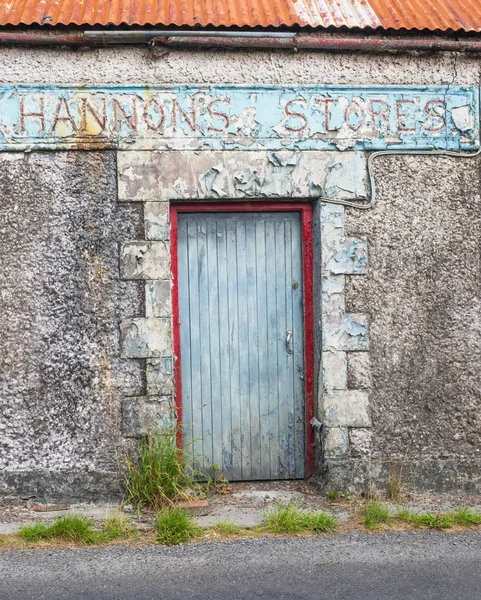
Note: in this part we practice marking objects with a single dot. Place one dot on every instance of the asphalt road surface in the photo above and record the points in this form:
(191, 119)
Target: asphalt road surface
(421, 566)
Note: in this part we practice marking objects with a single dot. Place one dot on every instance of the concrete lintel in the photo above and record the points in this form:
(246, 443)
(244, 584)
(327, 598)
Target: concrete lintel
(192, 175)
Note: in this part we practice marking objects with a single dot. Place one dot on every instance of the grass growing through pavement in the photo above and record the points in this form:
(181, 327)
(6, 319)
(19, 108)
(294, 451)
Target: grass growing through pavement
(374, 514)
(72, 528)
(116, 527)
(174, 526)
(289, 518)
(79, 529)
(464, 517)
(226, 528)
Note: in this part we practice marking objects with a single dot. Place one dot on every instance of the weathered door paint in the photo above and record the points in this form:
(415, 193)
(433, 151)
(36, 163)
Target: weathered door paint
(240, 294)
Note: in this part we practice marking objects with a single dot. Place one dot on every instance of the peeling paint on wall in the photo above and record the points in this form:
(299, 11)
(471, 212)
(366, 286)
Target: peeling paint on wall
(220, 117)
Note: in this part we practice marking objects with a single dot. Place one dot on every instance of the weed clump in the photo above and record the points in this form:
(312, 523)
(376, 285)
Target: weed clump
(72, 528)
(464, 517)
(174, 526)
(374, 514)
(226, 528)
(79, 529)
(159, 476)
(333, 495)
(116, 527)
(289, 518)
(395, 489)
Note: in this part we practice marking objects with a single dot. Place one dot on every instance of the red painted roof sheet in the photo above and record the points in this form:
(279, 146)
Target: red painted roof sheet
(386, 14)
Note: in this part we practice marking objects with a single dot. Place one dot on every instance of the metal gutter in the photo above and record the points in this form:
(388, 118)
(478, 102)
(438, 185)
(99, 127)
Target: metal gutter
(46, 39)
(240, 39)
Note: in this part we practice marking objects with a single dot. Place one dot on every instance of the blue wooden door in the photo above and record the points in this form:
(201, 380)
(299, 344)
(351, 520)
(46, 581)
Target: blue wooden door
(242, 342)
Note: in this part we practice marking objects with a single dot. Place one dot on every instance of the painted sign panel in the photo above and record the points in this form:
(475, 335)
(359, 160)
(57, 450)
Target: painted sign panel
(235, 117)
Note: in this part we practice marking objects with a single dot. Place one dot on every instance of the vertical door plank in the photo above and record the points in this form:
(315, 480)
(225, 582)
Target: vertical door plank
(244, 375)
(224, 349)
(212, 322)
(197, 447)
(253, 347)
(205, 356)
(283, 356)
(262, 335)
(185, 335)
(298, 348)
(234, 350)
(272, 349)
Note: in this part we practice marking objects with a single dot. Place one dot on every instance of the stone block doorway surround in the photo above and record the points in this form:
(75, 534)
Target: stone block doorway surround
(157, 179)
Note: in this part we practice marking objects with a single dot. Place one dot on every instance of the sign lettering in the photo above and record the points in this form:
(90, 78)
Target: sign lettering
(234, 117)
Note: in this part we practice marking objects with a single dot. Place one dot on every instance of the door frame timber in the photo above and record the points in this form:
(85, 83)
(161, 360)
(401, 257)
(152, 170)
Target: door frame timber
(306, 210)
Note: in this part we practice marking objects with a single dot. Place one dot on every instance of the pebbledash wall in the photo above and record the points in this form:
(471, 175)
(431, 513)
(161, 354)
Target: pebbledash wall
(86, 315)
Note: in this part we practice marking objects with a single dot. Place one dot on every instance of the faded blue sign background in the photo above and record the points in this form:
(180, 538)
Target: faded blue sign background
(235, 117)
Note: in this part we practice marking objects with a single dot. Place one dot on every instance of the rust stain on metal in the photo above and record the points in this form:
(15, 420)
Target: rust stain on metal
(433, 15)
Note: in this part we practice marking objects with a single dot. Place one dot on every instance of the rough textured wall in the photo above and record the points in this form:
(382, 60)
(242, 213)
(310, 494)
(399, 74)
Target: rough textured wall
(61, 304)
(128, 64)
(423, 295)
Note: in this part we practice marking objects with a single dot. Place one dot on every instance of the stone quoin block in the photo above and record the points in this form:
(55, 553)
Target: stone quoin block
(336, 442)
(158, 298)
(146, 338)
(360, 443)
(159, 374)
(334, 370)
(346, 408)
(145, 260)
(157, 220)
(348, 259)
(332, 295)
(144, 415)
(345, 332)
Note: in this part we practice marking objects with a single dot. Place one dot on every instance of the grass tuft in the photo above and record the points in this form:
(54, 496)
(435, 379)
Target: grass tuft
(226, 528)
(173, 526)
(321, 522)
(289, 518)
(117, 527)
(374, 514)
(72, 528)
(406, 515)
(333, 495)
(466, 517)
(395, 489)
(159, 476)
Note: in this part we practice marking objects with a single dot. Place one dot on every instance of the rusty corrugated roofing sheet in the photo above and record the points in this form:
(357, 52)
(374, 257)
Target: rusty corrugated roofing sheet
(386, 14)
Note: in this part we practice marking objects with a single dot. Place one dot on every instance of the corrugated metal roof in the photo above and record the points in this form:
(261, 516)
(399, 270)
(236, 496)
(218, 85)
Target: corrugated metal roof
(387, 14)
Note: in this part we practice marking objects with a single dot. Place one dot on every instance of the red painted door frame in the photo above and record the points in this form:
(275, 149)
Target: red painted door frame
(307, 257)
